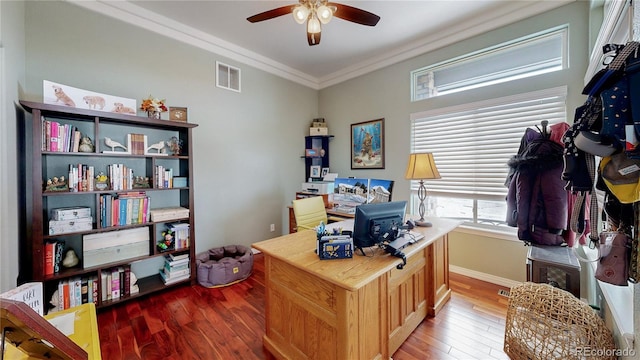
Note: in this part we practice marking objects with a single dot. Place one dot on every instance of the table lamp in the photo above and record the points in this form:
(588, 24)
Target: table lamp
(422, 166)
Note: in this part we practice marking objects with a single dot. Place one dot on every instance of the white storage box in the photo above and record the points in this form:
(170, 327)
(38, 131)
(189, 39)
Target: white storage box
(67, 226)
(113, 246)
(70, 213)
(318, 131)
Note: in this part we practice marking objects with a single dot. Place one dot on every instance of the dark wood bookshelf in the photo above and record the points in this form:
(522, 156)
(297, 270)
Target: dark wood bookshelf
(35, 164)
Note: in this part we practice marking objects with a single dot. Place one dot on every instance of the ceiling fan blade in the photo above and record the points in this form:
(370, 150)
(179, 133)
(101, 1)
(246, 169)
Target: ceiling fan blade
(313, 39)
(270, 14)
(355, 15)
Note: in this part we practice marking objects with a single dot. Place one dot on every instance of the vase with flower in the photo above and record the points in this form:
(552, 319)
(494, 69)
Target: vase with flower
(153, 106)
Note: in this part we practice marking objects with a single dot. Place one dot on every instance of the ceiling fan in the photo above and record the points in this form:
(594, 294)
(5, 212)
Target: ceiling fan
(317, 12)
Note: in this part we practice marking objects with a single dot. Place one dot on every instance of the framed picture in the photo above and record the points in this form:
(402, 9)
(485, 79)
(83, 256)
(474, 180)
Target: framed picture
(367, 144)
(315, 171)
(178, 114)
(325, 171)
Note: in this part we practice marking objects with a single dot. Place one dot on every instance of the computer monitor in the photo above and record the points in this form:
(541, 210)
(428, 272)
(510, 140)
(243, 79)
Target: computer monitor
(377, 222)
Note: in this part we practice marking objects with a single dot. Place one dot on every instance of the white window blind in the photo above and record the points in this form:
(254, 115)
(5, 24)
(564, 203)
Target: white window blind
(472, 143)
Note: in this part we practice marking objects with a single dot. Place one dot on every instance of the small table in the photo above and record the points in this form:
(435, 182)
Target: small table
(555, 265)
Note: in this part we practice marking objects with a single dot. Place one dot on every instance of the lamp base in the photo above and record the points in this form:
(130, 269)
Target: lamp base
(423, 223)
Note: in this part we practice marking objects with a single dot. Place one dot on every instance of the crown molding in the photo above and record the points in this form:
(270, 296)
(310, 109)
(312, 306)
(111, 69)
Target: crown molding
(510, 12)
(135, 15)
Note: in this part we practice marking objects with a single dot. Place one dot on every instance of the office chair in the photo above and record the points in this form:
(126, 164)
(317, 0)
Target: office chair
(544, 322)
(309, 212)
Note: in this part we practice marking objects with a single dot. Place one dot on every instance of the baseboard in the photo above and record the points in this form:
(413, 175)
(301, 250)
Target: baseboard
(483, 276)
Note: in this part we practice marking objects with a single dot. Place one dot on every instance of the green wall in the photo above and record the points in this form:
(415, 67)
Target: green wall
(386, 94)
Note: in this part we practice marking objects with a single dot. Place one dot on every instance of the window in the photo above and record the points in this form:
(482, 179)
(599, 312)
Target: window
(471, 145)
(524, 57)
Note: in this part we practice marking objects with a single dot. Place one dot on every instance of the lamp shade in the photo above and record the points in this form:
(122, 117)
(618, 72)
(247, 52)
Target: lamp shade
(300, 13)
(324, 14)
(313, 25)
(421, 166)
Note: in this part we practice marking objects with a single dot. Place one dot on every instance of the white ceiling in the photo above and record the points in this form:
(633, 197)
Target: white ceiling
(346, 50)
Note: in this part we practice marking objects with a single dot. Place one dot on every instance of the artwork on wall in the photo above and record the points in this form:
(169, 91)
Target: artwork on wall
(64, 95)
(367, 144)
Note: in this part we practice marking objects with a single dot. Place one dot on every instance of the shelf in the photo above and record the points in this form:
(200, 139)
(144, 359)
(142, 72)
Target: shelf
(36, 165)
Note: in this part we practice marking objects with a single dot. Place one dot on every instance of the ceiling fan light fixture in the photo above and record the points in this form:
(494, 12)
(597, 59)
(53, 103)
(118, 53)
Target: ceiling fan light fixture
(300, 13)
(313, 25)
(324, 14)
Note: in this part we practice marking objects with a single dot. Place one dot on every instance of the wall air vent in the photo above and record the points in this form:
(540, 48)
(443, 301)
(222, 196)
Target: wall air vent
(227, 77)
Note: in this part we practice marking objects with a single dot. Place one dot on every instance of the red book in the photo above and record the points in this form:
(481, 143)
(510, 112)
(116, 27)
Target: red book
(65, 292)
(49, 257)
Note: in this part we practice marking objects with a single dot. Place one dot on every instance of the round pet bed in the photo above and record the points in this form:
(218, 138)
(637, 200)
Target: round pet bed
(224, 266)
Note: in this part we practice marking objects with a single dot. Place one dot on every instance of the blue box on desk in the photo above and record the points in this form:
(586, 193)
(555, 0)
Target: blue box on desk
(335, 247)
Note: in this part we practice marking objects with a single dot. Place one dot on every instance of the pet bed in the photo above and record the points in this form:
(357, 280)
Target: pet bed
(224, 266)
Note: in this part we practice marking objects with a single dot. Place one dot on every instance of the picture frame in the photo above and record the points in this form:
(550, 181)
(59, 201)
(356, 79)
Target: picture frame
(367, 144)
(315, 171)
(178, 113)
(325, 171)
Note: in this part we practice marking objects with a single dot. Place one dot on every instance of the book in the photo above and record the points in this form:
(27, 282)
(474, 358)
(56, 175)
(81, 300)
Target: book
(29, 293)
(169, 262)
(49, 256)
(176, 273)
(103, 284)
(170, 281)
(77, 288)
(127, 280)
(84, 291)
(59, 253)
(115, 284)
(96, 292)
(173, 257)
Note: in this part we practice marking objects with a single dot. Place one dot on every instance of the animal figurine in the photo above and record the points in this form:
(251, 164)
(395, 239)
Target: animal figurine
(113, 144)
(94, 101)
(62, 97)
(157, 146)
(121, 109)
(86, 145)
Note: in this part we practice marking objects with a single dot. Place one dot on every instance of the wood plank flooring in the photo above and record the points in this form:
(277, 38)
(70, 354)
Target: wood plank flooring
(193, 322)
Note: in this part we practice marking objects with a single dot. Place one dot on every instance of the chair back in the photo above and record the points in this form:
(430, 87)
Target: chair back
(309, 212)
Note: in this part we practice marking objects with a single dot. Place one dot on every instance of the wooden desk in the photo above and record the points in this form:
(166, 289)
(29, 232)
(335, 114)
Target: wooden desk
(359, 308)
(332, 215)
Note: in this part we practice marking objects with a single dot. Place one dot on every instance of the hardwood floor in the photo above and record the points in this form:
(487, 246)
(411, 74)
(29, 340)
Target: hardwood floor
(193, 322)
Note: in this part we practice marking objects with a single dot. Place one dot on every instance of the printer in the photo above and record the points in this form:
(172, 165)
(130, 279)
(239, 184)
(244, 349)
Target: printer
(318, 187)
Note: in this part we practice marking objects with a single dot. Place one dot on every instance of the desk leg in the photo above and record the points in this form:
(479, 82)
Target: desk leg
(438, 290)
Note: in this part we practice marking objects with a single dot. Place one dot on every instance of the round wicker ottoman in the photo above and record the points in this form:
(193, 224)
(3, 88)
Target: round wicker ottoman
(224, 266)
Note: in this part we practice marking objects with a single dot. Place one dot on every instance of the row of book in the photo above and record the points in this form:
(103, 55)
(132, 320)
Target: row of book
(137, 143)
(180, 235)
(76, 291)
(59, 137)
(125, 209)
(114, 284)
(176, 268)
(164, 177)
(120, 177)
(53, 252)
(81, 178)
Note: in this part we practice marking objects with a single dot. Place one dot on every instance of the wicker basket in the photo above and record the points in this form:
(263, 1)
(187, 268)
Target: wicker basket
(544, 322)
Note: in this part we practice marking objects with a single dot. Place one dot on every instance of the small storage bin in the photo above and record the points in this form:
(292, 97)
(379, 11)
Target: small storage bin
(224, 265)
